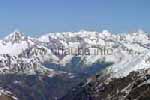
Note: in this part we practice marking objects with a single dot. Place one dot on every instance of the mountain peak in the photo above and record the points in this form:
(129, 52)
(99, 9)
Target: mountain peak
(106, 33)
(16, 36)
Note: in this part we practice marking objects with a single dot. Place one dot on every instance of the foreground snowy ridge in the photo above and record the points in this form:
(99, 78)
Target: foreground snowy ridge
(20, 53)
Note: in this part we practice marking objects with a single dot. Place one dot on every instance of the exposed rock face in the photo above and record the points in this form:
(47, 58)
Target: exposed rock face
(36, 87)
(135, 86)
(4, 97)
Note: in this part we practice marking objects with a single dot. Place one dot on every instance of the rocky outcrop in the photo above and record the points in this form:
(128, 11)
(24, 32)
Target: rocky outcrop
(135, 86)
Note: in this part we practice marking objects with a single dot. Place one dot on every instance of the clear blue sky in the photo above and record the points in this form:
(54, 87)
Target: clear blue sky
(35, 17)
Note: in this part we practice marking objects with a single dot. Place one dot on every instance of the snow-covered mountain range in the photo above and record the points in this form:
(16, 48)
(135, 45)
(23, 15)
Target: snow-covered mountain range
(72, 53)
(21, 53)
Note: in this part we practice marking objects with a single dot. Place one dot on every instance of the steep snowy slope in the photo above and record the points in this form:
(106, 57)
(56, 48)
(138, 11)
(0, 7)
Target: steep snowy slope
(23, 54)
